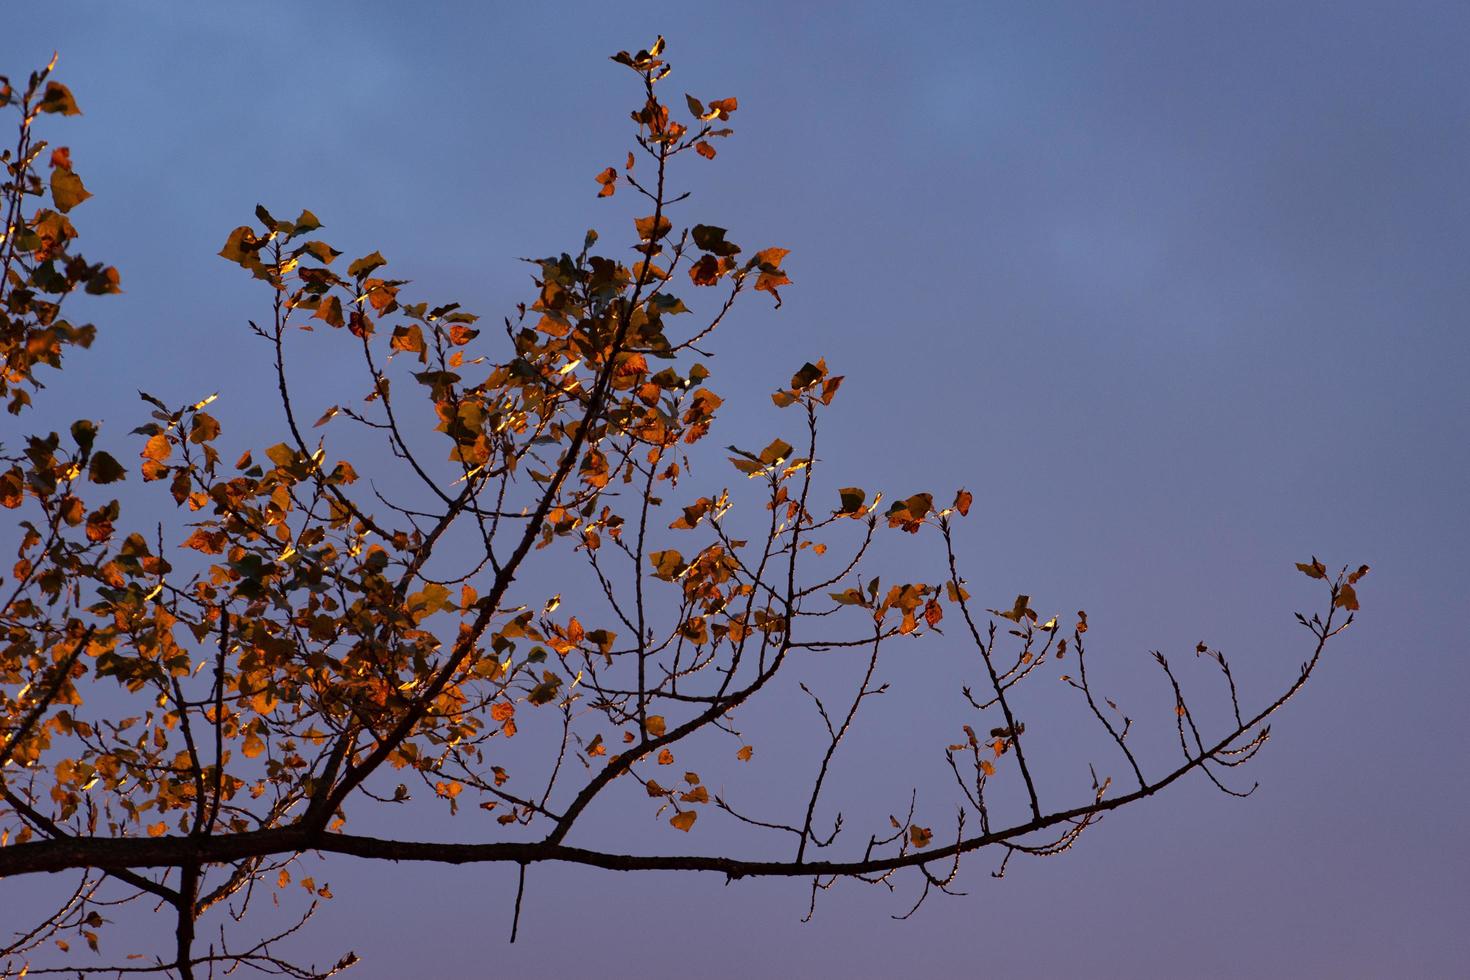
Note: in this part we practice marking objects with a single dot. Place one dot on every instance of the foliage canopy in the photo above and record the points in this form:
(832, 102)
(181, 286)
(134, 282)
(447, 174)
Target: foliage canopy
(188, 714)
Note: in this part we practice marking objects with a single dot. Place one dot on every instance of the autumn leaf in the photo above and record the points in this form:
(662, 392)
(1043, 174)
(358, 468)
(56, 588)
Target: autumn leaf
(329, 310)
(67, 190)
(650, 230)
(253, 745)
(706, 271)
(709, 238)
(242, 247)
(1315, 570)
(851, 502)
(362, 267)
(58, 99)
(1021, 610)
(105, 469)
(269, 632)
(158, 448)
(721, 108)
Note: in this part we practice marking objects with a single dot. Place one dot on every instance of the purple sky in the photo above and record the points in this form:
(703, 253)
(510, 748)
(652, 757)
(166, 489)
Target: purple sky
(1177, 289)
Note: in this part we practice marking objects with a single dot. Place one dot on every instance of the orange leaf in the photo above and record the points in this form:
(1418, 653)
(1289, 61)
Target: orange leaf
(158, 448)
(684, 820)
(721, 108)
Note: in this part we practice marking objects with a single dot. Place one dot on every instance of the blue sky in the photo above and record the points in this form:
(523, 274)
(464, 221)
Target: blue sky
(1178, 290)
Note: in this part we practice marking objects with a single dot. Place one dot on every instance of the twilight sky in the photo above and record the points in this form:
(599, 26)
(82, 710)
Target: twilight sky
(1177, 289)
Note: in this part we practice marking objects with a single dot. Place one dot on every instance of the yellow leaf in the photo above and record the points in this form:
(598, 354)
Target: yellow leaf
(656, 726)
